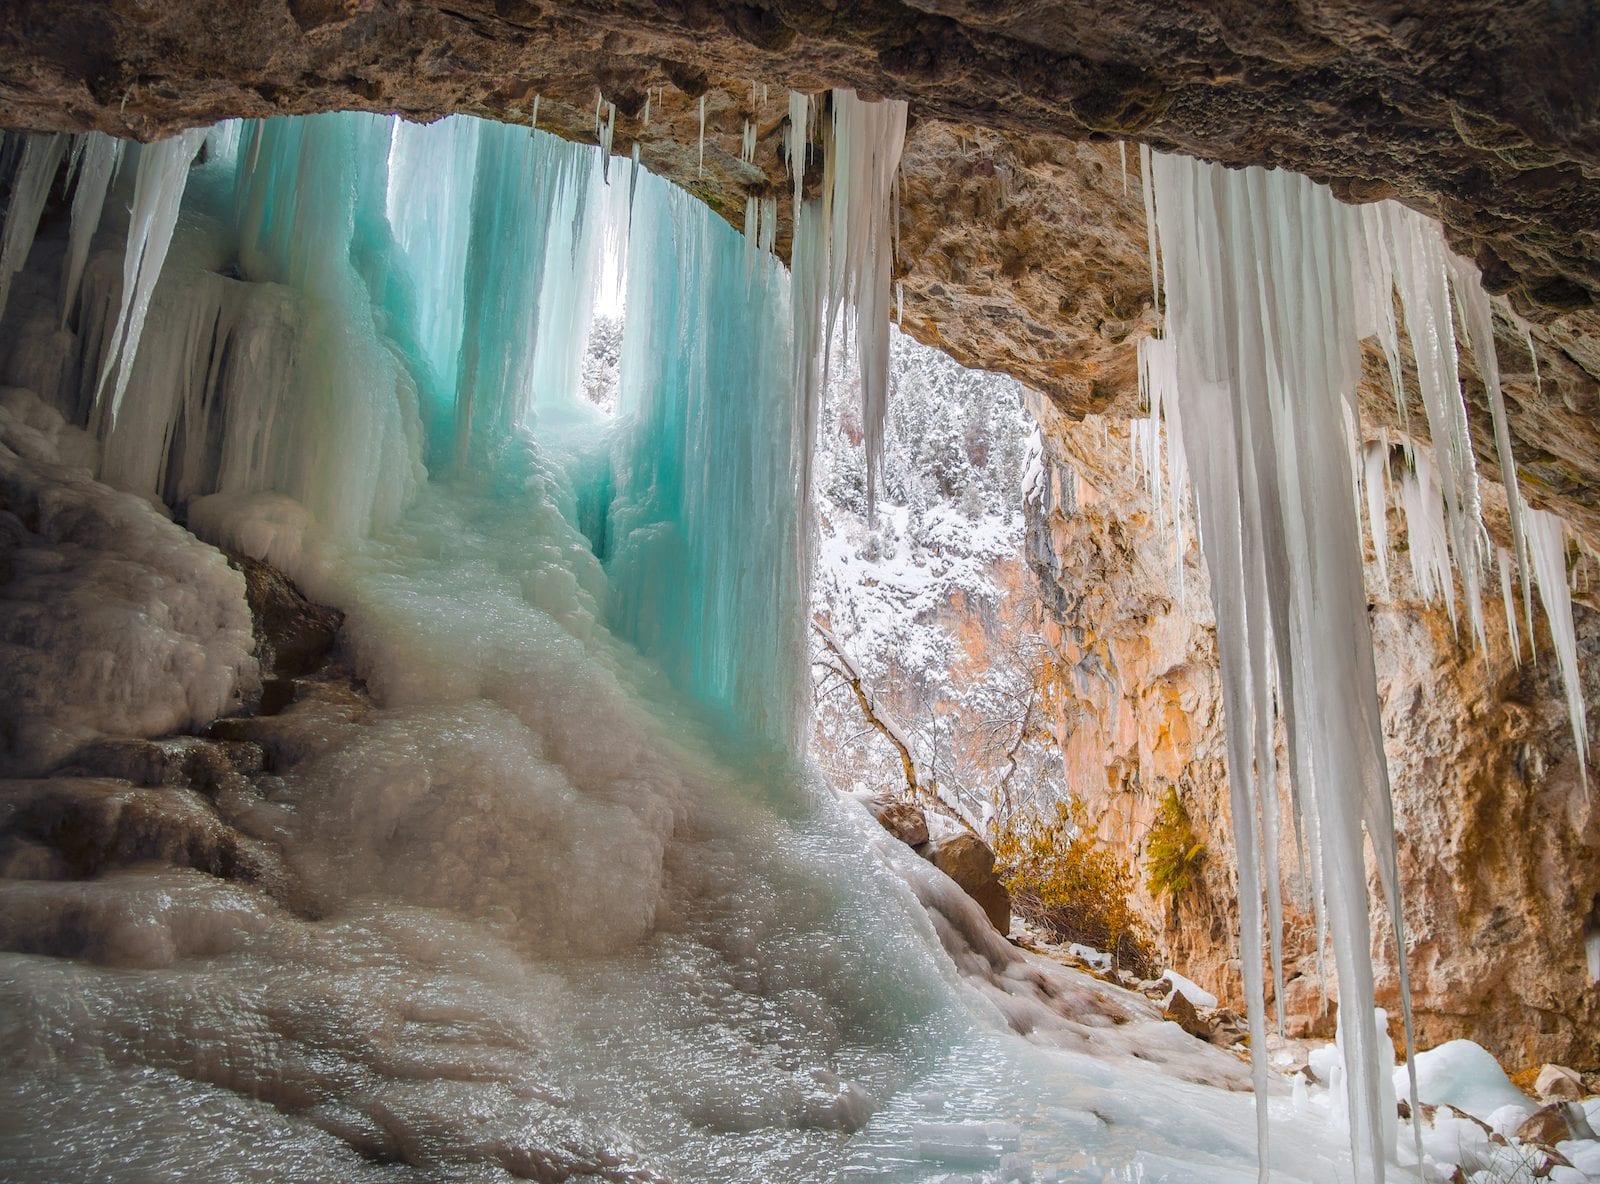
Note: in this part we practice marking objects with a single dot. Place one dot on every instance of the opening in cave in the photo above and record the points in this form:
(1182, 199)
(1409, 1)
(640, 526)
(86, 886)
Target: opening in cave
(523, 873)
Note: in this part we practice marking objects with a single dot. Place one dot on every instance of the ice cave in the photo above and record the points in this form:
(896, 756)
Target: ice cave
(798, 592)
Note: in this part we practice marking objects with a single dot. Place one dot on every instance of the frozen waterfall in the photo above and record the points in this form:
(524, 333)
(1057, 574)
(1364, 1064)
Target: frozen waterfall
(543, 889)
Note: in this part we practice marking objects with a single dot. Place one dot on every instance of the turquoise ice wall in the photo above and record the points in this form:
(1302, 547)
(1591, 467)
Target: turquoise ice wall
(443, 280)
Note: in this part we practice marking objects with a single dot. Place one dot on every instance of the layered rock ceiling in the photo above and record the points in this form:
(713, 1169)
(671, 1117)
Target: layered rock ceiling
(1023, 243)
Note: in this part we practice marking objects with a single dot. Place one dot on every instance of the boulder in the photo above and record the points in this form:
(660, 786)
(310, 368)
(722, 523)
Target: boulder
(1557, 1083)
(967, 860)
(903, 820)
(1555, 1123)
(1181, 1012)
(293, 635)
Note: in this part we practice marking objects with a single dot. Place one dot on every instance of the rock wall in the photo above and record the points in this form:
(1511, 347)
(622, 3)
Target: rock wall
(1496, 832)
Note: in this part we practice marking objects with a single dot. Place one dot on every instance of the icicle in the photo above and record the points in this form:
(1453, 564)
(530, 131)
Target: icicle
(222, 141)
(1426, 531)
(645, 118)
(1478, 319)
(797, 143)
(769, 225)
(859, 175)
(1503, 562)
(533, 115)
(899, 304)
(747, 144)
(1374, 297)
(74, 158)
(255, 149)
(763, 96)
(700, 162)
(633, 180)
(1375, 480)
(599, 98)
(1145, 156)
(41, 157)
(101, 156)
(1421, 276)
(1547, 540)
(158, 188)
(605, 142)
(752, 223)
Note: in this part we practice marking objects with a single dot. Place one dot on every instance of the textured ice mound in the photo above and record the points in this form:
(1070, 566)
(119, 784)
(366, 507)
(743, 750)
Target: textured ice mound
(113, 620)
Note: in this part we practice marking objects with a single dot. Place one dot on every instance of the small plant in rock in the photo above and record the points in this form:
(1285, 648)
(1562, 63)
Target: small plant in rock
(1071, 886)
(1174, 851)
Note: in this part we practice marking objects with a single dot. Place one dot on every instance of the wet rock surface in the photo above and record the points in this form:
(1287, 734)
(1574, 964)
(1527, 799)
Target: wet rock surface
(293, 635)
(84, 827)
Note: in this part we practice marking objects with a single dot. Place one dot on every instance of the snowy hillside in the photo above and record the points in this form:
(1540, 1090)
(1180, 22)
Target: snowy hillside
(931, 599)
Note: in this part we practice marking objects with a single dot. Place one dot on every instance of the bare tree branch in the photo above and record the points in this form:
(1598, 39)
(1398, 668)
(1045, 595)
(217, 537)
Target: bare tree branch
(841, 664)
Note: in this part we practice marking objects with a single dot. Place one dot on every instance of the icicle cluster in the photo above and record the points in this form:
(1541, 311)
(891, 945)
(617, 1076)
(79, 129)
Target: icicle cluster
(1256, 374)
(360, 299)
(843, 254)
(1270, 286)
(708, 528)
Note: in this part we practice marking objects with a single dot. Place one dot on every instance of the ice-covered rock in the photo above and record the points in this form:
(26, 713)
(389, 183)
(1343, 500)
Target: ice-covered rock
(1193, 992)
(903, 820)
(113, 620)
(1556, 1123)
(1465, 1075)
(92, 826)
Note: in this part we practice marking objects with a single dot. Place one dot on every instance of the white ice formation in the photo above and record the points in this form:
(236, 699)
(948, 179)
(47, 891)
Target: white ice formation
(1271, 284)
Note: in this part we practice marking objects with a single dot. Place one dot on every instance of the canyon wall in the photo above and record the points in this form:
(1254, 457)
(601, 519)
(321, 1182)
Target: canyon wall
(1496, 831)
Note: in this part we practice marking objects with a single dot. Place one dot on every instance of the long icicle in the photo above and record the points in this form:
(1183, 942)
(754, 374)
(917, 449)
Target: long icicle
(1547, 540)
(101, 155)
(41, 157)
(158, 188)
(1262, 327)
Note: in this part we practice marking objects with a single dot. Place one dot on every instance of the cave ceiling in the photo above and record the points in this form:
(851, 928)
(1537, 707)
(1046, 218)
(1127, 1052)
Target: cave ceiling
(1022, 233)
